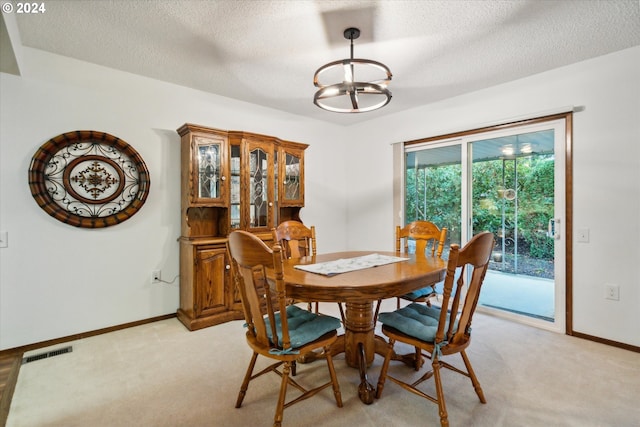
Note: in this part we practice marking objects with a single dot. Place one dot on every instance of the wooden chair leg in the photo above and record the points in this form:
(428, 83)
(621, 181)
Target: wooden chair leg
(472, 376)
(334, 377)
(375, 315)
(277, 421)
(247, 378)
(418, 360)
(383, 371)
(341, 312)
(442, 407)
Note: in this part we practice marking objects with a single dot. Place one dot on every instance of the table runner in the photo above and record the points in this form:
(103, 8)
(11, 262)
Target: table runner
(345, 265)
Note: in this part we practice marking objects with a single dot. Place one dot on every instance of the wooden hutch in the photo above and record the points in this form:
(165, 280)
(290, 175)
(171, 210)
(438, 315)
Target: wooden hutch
(230, 180)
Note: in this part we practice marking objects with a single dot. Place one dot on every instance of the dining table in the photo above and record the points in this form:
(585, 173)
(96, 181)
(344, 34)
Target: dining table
(358, 290)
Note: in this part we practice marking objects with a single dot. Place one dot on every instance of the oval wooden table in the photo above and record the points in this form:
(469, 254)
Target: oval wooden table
(359, 290)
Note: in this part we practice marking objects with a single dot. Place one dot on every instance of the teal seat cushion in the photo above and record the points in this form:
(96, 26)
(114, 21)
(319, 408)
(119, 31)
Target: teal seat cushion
(420, 293)
(304, 326)
(416, 320)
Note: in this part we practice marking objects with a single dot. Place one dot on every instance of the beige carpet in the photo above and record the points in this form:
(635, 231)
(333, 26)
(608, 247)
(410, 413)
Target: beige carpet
(160, 374)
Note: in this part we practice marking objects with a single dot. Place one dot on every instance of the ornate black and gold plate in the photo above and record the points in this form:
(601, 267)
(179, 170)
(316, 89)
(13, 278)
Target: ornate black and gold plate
(88, 179)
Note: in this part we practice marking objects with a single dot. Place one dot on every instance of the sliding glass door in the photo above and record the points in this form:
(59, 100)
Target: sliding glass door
(433, 188)
(509, 182)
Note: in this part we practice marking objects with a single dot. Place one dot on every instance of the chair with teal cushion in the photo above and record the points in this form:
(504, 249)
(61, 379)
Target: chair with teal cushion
(297, 241)
(304, 326)
(429, 240)
(423, 238)
(417, 320)
(440, 332)
(278, 337)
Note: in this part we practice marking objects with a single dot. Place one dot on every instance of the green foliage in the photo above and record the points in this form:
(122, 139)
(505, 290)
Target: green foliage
(433, 193)
(535, 192)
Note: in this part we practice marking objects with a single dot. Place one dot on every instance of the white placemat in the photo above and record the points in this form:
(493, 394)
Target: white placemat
(345, 265)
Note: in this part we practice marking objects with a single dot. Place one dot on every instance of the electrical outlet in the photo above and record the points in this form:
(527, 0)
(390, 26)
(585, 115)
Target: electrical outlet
(612, 292)
(155, 276)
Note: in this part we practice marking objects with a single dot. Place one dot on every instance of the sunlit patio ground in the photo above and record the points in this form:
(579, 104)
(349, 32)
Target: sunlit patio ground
(518, 293)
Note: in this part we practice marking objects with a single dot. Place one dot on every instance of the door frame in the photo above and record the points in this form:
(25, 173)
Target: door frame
(398, 204)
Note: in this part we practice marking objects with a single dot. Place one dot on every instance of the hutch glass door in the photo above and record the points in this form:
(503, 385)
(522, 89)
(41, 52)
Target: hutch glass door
(260, 201)
(209, 175)
(291, 179)
(234, 202)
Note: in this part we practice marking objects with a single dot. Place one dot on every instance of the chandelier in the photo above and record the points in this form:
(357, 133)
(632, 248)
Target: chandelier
(361, 83)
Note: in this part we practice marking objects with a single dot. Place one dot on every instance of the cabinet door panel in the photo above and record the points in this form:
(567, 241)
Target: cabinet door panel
(235, 192)
(259, 186)
(209, 170)
(291, 185)
(210, 277)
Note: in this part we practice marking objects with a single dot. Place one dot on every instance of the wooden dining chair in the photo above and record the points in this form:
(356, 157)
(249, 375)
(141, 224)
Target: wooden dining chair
(443, 331)
(429, 241)
(297, 240)
(274, 335)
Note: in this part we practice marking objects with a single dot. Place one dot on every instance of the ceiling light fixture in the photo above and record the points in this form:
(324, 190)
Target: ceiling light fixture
(353, 94)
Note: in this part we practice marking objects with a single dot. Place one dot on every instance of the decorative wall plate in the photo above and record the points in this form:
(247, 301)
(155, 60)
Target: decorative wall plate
(88, 179)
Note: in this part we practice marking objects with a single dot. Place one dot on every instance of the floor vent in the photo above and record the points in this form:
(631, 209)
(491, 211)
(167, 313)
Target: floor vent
(46, 355)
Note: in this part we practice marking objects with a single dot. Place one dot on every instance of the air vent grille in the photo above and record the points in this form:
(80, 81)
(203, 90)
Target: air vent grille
(51, 353)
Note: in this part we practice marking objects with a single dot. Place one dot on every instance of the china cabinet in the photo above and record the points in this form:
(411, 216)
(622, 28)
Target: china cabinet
(229, 180)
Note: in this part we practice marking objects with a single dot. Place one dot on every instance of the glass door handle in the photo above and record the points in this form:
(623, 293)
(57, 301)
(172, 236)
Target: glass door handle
(553, 229)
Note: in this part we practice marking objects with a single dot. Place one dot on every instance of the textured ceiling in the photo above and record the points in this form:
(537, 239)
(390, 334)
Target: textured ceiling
(266, 52)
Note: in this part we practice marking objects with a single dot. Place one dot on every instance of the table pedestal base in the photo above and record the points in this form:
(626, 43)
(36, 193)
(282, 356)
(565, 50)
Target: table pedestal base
(359, 332)
(359, 345)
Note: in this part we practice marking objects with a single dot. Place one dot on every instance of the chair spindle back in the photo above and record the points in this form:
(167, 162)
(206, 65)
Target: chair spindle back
(429, 238)
(250, 257)
(296, 239)
(474, 255)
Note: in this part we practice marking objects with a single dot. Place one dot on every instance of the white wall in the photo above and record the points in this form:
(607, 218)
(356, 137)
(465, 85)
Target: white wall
(57, 280)
(606, 179)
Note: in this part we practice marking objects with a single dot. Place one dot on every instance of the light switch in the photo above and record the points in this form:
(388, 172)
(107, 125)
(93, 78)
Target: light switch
(4, 239)
(582, 235)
